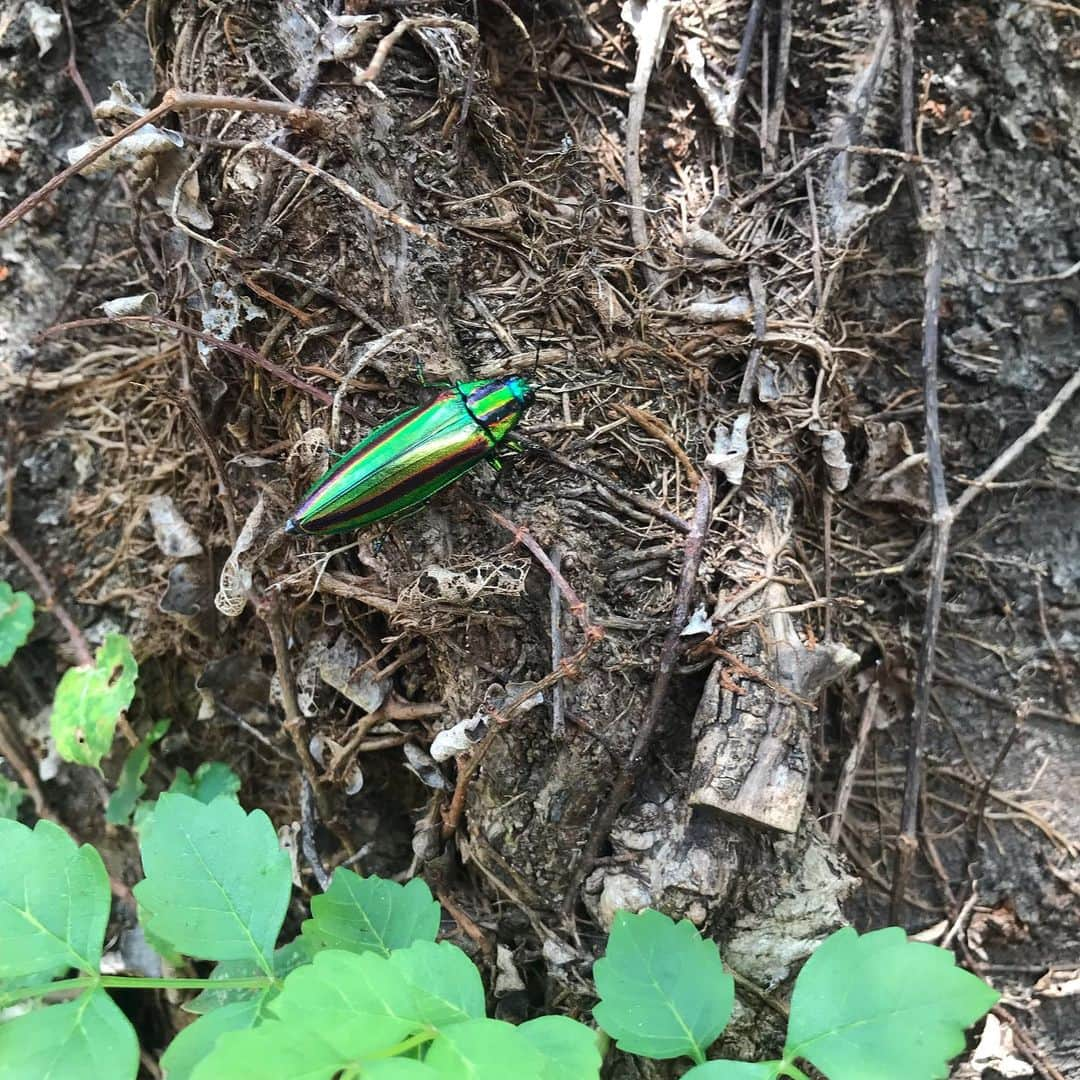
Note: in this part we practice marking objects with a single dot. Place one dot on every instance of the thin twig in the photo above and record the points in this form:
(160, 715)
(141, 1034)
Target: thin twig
(1025, 1042)
(250, 355)
(1037, 429)
(14, 754)
(172, 101)
(978, 811)
(851, 765)
(649, 33)
(1039, 426)
(942, 519)
(51, 603)
(307, 834)
(776, 111)
(567, 667)
(1065, 683)
(573, 601)
(295, 725)
(750, 374)
(72, 65)
(355, 196)
(631, 769)
(661, 513)
(558, 719)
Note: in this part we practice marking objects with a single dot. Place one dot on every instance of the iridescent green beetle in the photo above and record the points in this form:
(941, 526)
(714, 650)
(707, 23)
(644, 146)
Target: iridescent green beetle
(403, 462)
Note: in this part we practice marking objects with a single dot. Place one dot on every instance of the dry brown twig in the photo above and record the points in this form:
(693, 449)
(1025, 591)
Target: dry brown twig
(568, 667)
(630, 770)
(355, 196)
(51, 603)
(269, 610)
(650, 27)
(172, 101)
(942, 519)
(242, 351)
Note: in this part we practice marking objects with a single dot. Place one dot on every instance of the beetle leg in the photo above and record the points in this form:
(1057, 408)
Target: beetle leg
(423, 382)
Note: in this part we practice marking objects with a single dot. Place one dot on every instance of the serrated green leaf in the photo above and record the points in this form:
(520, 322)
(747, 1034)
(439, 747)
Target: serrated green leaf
(330, 1015)
(84, 1039)
(54, 903)
(485, 1050)
(285, 960)
(445, 984)
(663, 990)
(371, 915)
(881, 1007)
(734, 1070)
(11, 798)
(197, 1040)
(425, 985)
(16, 621)
(217, 883)
(89, 701)
(567, 1047)
(130, 786)
(211, 779)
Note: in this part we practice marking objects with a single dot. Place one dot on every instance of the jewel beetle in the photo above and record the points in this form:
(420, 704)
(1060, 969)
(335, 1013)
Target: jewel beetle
(406, 460)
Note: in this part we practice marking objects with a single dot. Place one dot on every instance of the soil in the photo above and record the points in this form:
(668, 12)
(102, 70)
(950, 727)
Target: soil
(474, 210)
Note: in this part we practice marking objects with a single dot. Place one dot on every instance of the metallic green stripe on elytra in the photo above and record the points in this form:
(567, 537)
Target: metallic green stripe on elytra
(405, 461)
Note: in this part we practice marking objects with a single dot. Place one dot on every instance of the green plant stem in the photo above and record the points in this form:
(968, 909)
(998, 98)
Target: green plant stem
(792, 1071)
(133, 982)
(405, 1045)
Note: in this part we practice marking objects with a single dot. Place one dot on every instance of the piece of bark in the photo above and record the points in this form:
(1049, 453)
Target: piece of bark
(752, 757)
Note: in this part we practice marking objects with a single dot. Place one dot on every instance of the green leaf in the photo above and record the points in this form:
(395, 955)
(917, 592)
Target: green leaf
(330, 1015)
(54, 903)
(197, 1040)
(568, 1048)
(346, 1007)
(16, 621)
(371, 915)
(486, 1050)
(285, 960)
(130, 785)
(11, 798)
(217, 883)
(425, 985)
(89, 701)
(444, 982)
(732, 1070)
(84, 1039)
(211, 779)
(398, 1068)
(882, 1007)
(663, 990)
